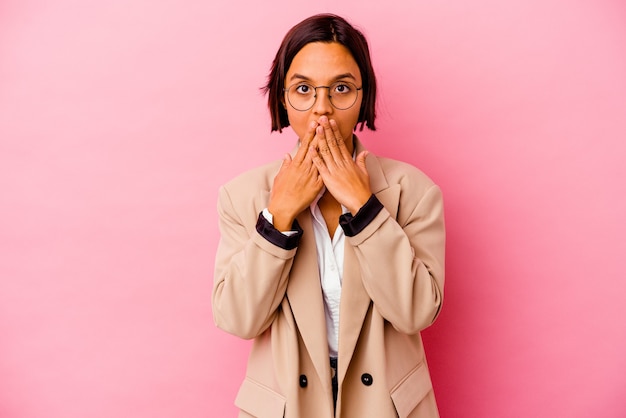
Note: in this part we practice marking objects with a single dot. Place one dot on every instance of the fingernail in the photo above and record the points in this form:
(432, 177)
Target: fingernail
(313, 124)
(323, 119)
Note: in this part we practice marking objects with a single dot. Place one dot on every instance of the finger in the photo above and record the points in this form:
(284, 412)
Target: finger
(309, 135)
(305, 142)
(286, 161)
(332, 139)
(360, 160)
(318, 161)
(322, 144)
(315, 143)
(308, 159)
(340, 143)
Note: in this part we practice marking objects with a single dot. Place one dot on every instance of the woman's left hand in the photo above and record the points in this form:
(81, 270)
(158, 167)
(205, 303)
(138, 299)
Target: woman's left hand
(346, 179)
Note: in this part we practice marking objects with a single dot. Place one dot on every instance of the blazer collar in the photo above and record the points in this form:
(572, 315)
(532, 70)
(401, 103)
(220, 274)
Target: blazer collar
(378, 182)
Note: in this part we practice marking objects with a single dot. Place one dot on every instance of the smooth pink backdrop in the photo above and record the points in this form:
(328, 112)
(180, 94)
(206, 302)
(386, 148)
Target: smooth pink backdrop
(120, 119)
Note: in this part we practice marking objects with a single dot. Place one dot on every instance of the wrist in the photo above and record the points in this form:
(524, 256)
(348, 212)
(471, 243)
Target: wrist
(354, 224)
(359, 203)
(280, 220)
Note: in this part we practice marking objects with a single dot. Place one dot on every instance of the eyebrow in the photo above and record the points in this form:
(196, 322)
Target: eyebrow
(337, 77)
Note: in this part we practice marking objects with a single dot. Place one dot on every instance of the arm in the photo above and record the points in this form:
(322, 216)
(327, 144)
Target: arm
(402, 261)
(253, 261)
(251, 273)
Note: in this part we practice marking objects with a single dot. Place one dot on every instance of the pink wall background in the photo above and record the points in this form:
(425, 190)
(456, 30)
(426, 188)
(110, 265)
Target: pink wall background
(120, 119)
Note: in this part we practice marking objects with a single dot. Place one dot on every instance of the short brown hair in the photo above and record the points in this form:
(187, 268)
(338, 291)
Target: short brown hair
(321, 28)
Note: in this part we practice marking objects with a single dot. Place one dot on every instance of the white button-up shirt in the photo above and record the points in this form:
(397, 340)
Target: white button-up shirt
(330, 261)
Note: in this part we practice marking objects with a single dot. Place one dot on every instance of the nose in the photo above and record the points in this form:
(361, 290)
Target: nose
(322, 105)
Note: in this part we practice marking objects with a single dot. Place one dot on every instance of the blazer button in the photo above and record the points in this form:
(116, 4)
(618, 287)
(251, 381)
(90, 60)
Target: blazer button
(303, 381)
(367, 379)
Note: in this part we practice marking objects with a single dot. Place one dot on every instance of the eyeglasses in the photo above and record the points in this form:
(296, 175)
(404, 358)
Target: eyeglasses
(342, 95)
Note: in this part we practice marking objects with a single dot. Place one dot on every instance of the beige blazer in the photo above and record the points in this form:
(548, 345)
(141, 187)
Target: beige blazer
(392, 289)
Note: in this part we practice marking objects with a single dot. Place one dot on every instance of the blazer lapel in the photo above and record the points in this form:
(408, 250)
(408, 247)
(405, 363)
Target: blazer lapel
(305, 298)
(355, 301)
(352, 310)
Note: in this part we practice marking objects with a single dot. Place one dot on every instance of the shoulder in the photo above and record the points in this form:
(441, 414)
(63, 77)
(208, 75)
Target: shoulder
(405, 174)
(416, 193)
(247, 193)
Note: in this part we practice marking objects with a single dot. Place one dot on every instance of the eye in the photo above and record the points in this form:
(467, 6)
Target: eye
(304, 89)
(342, 88)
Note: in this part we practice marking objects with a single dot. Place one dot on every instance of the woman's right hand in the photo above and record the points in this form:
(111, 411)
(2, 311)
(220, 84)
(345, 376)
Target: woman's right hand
(296, 185)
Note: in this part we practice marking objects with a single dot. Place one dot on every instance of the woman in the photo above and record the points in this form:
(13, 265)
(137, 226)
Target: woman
(332, 259)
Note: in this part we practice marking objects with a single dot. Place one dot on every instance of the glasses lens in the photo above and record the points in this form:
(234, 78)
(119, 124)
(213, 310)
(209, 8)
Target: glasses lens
(343, 95)
(301, 96)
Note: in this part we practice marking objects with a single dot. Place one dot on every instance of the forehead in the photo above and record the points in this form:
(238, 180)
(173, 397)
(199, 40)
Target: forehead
(323, 62)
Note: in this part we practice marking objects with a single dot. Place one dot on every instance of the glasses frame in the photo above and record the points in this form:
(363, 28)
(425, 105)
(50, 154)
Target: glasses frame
(330, 99)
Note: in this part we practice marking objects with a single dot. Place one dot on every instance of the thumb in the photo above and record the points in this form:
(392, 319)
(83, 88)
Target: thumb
(360, 160)
(286, 162)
